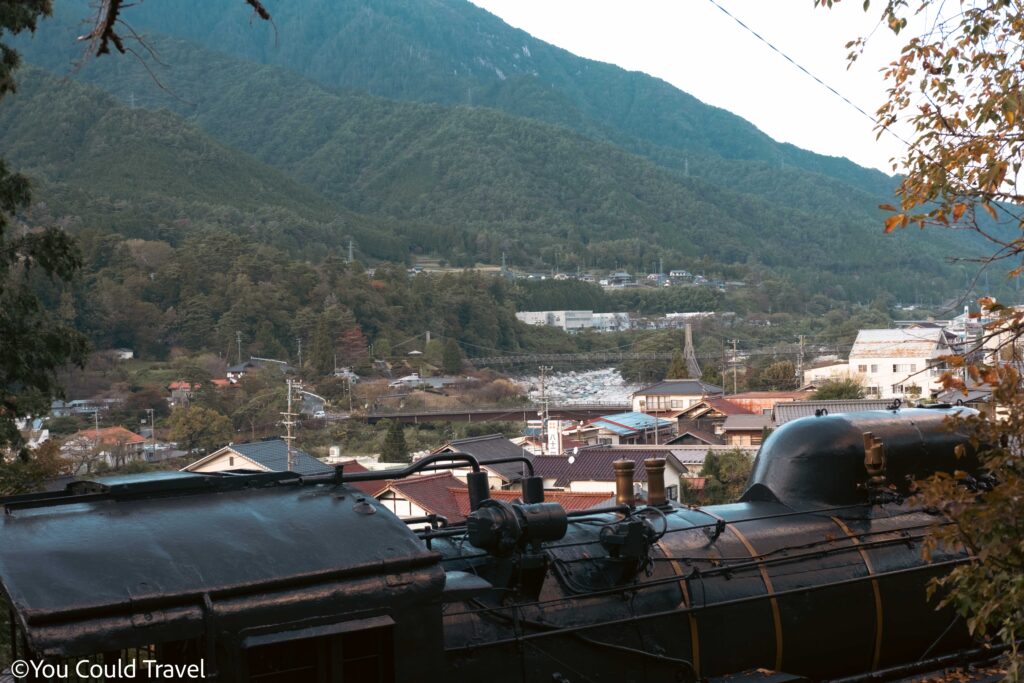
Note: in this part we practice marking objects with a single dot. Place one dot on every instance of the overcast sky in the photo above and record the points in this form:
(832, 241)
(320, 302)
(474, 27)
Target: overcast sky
(694, 46)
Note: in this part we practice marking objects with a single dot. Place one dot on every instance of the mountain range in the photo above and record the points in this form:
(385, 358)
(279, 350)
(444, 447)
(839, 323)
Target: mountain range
(431, 127)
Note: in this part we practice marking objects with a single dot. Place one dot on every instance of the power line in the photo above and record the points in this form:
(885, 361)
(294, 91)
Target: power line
(792, 61)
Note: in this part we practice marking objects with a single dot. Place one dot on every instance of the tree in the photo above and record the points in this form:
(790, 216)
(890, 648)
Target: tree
(677, 368)
(779, 376)
(451, 358)
(726, 474)
(394, 449)
(34, 342)
(195, 427)
(839, 389)
(959, 83)
(21, 476)
(321, 358)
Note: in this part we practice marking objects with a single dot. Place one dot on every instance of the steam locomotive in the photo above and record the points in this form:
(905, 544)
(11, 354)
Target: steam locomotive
(816, 573)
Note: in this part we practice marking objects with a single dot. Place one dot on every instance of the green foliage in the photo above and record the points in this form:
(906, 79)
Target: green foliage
(987, 593)
(35, 261)
(470, 185)
(451, 360)
(196, 427)
(26, 475)
(394, 448)
(677, 368)
(839, 389)
(726, 474)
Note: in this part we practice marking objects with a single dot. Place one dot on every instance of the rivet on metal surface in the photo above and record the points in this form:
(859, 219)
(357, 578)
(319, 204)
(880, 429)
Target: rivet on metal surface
(363, 508)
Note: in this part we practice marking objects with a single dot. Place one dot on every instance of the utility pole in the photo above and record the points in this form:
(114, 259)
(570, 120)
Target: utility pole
(735, 363)
(298, 340)
(152, 430)
(289, 422)
(544, 370)
(238, 339)
(725, 364)
(351, 258)
(800, 363)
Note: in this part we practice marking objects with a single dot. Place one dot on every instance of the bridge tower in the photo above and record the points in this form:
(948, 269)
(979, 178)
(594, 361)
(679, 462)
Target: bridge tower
(690, 356)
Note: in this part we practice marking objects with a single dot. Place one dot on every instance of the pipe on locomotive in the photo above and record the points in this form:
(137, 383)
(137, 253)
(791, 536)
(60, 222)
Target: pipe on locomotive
(479, 490)
(655, 481)
(624, 482)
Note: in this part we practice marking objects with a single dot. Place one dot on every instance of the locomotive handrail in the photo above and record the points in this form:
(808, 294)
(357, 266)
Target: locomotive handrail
(512, 458)
(686, 610)
(450, 460)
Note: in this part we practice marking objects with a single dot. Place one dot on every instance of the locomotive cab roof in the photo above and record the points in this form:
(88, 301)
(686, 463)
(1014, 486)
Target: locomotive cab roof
(126, 560)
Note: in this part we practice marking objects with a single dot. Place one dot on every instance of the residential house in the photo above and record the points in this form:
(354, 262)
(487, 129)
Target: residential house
(745, 430)
(786, 412)
(695, 437)
(112, 446)
(485, 449)
(448, 496)
(762, 402)
(829, 372)
(706, 415)
(236, 372)
(673, 394)
(625, 428)
(259, 456)
(421, 495)
(182, 392)
(571, 501)
(899, 363)
(620, 279)
(591, 470)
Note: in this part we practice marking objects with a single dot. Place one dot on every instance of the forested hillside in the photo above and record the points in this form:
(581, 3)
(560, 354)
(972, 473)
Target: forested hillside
(452, 52)
(636, 172)
(471, 183)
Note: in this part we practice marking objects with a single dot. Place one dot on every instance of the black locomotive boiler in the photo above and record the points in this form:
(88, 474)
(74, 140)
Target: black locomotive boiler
(816, 573)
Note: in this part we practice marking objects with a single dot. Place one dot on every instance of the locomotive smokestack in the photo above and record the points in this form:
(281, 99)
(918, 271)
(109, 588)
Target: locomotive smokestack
(624, 482)
(655, 481)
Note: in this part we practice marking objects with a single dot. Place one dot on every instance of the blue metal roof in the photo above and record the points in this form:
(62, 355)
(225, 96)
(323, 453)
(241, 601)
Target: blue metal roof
(274, 456)
(630, 423)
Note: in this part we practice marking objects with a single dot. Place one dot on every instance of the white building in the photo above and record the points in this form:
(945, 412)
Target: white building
(572, 321)
(899, 363)
(566, 320)
(828, 373)
(611, 321)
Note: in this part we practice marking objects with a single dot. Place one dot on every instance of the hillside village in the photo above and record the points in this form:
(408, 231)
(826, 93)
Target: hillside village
(682, 420)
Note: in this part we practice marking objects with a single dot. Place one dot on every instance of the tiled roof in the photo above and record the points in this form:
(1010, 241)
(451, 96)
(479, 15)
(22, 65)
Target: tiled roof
(746, 423)
(432, 492)
(595, 464)
(274, 456)
(726, 407)
(785, 412)
(109, 436)
(899, 343)
(795, 395)
(568, 499)
(700, 435)
(680, 387)
(629, 423)
(242, 367)
(367, 487)
(491, 447)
